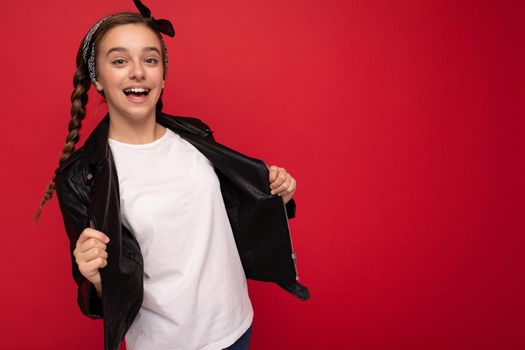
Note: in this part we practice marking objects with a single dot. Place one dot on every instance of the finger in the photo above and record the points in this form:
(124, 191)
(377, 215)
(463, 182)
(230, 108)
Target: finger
(84, 257)
(291, 188)
(290, 192)
(90, 268)
(91, 254)
(89, 244)
(274, 170)
(92, 233)
(281, 179)
(284, 186)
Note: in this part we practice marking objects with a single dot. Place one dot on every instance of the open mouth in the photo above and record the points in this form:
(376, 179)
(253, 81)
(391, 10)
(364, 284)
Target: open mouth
(137, 91)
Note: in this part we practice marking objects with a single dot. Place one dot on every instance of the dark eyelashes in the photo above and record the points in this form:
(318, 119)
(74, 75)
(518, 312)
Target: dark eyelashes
(120, 61)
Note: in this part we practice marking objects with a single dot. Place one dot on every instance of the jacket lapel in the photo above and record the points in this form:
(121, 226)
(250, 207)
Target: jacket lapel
(246, 172)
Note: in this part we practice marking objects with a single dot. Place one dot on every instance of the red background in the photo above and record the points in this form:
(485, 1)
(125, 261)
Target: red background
(402, 122)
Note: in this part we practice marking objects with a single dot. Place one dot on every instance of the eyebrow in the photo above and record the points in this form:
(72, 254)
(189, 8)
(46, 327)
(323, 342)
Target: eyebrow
(123, 49)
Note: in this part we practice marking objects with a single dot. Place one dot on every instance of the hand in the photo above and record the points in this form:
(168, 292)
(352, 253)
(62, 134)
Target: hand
(90, 254)
(281, 183)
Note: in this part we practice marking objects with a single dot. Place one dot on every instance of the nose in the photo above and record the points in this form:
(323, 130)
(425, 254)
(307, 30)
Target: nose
(137, 72)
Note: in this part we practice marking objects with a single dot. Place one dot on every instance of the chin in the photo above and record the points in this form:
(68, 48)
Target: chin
(136, 112)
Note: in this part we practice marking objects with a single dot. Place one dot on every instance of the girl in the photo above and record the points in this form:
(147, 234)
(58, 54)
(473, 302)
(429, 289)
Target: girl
(162, 251)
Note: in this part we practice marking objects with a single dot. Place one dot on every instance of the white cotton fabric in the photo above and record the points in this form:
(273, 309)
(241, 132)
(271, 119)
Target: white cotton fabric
(195, 290)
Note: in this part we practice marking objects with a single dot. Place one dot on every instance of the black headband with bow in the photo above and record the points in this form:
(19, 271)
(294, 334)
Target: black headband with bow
(163, 25)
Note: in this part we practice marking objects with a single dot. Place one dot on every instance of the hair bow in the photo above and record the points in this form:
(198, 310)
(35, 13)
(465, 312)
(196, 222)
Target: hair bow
(162, 25)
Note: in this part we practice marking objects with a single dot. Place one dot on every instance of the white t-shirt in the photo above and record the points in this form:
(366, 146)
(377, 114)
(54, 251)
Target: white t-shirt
(195, 290)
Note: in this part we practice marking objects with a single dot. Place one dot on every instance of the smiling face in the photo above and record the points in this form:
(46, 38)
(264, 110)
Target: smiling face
(130, 71)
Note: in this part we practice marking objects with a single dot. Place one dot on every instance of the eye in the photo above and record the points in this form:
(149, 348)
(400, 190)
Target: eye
(152, 60)
(118, 61)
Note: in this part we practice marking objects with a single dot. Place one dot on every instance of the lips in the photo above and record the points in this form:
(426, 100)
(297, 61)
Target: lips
(137, 91)
(137, 95)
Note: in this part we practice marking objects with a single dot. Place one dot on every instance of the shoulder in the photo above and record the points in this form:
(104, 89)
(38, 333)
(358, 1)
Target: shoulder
(196, 122)
(70, 184)
(193, 124)
(72, 163)
(193, 121)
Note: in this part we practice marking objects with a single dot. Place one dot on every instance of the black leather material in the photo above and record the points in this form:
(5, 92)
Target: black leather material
(296, 289)
(87, 189)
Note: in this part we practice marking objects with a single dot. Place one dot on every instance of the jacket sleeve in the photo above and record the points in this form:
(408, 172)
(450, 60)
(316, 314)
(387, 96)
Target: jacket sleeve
(73, 210)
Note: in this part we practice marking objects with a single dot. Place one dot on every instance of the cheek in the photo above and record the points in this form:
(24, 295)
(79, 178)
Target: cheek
(159, 75)
(109, 78)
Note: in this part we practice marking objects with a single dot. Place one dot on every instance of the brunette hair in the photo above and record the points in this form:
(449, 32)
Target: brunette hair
(82, 83)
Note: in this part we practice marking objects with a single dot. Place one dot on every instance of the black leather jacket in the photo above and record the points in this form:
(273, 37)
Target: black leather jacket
(87, 189)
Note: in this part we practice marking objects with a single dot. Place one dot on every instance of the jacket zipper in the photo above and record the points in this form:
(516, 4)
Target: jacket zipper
(294, 256)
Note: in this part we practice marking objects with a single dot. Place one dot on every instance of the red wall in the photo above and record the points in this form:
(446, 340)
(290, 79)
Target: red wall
(402, 122)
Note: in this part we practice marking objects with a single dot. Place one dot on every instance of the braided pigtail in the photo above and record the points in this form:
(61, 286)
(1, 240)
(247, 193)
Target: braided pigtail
(85, 76)
(79, 99)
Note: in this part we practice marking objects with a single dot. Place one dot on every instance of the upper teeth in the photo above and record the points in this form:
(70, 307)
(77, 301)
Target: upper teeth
(138, 90)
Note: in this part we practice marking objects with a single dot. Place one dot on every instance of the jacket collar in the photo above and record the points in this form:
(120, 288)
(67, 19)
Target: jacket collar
(96, 147)
(248, 173)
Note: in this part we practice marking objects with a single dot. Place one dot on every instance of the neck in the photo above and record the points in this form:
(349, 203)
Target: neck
(134, 131)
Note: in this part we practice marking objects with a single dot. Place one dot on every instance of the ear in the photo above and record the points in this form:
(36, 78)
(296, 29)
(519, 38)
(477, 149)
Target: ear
(98, 86)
